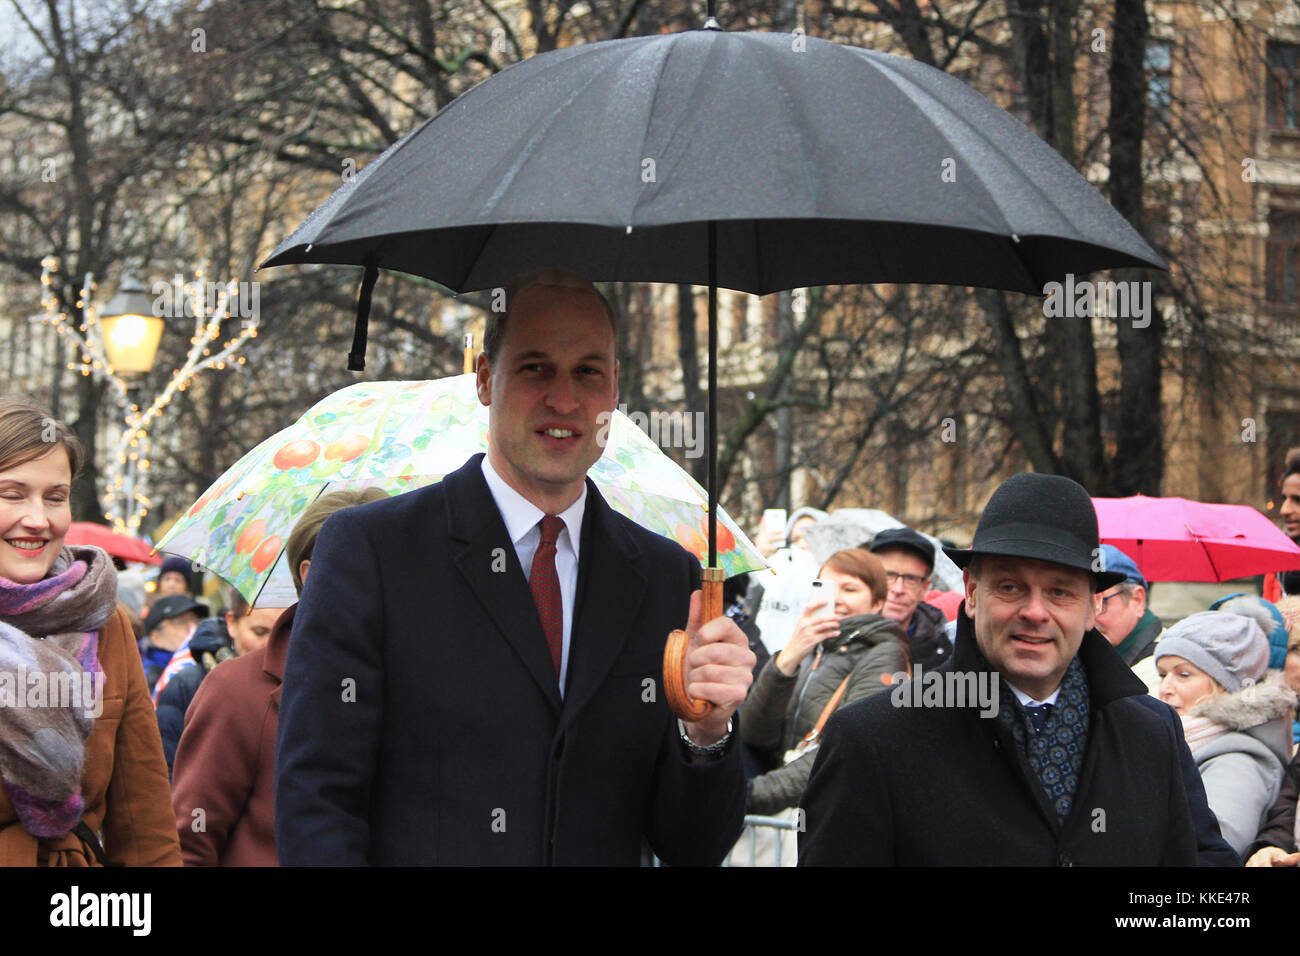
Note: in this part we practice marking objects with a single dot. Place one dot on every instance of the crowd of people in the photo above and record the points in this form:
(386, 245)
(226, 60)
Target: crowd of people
(472, 675)
(1231, 674)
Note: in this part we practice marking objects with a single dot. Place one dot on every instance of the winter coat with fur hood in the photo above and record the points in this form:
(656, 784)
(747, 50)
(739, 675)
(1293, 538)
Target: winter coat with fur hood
(1242, 768)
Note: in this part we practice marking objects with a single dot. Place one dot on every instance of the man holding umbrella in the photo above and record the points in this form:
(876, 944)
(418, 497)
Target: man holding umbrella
(474, 672)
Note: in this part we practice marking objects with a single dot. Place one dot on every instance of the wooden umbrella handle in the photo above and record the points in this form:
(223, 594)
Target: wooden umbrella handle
(675, 649)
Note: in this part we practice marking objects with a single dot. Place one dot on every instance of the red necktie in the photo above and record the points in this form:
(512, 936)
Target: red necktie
(546, 588)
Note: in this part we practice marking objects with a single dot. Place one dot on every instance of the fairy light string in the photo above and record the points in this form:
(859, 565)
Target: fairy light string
(125, 475)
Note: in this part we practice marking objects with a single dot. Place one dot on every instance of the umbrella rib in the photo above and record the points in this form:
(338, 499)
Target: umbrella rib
(262, 587)
(908, 87)
(918, 94)
(1218, 576)
(327, 212)
(540, 131)
(645, 132)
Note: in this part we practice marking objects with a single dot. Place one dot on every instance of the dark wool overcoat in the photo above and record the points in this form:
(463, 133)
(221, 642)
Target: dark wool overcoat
(421, 720)
(943, 786)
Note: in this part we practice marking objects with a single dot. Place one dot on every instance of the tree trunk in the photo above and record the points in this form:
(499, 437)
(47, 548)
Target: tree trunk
(1027, 419)
(1043, 54)
(1061, 17)
(85, 498)
(689, 354)
(1139, 458)
(1030, 59)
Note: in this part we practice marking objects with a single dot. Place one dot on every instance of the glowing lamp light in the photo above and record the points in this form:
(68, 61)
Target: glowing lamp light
(131, 330)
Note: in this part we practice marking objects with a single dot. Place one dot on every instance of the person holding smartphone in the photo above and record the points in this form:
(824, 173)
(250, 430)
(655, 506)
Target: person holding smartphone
(842, 650)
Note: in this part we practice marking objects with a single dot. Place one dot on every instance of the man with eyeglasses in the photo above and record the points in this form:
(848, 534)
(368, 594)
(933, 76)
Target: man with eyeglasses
(908, 558)
(1122, 614)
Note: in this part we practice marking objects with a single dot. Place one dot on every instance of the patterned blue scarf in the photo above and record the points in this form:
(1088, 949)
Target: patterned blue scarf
(1055, 755)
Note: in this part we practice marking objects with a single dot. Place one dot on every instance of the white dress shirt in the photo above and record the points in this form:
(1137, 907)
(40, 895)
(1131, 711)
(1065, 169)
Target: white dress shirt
(1025, 699)
(522, 519)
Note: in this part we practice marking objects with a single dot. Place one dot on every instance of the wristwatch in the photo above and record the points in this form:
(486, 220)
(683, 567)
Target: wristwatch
(712, 749)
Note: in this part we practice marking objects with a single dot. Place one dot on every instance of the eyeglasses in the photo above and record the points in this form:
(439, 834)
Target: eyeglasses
(1110, 597)
(914, 582)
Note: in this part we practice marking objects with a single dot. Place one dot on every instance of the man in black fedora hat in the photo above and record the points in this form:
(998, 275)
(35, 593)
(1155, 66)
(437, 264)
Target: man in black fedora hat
(1065, 766)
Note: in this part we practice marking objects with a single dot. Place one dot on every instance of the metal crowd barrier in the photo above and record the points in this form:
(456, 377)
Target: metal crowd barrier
(754, 826)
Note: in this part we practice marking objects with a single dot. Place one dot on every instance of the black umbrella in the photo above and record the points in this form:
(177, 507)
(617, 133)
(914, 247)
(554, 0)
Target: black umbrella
(751, 161)
(820, 164)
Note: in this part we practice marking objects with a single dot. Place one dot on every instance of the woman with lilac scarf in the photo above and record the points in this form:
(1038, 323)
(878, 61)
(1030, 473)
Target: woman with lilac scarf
(82, 776)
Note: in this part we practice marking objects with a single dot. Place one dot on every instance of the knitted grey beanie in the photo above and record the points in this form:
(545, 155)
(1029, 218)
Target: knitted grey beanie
(1230, 648)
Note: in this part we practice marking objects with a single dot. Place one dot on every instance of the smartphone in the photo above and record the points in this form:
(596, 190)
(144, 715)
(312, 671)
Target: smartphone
(774, 519)
(828, 591)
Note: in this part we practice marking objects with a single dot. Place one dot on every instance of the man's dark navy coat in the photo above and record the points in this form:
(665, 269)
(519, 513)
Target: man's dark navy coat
(943, 786)
(421, 720)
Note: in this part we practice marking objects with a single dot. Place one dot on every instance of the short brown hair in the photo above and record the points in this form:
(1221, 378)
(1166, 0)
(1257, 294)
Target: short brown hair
(495, 330)
(863, 565)
(237, 605)
(302, 539)
(27, 432)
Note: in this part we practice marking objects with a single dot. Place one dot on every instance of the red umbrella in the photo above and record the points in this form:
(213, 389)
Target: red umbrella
(946, 601)
(120, 545)
(1176, 539)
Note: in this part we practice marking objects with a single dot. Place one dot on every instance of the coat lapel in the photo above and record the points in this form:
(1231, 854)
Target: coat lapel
(1109, 679)
(611, 589)
(1007, 744)
(486, 558)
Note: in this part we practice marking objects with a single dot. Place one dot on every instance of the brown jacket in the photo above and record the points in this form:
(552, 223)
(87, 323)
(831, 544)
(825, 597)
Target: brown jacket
(225, 762)
(123, 782)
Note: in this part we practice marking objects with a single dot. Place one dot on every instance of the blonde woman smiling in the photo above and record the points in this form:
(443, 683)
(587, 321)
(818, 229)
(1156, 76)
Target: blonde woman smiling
(1237, 722)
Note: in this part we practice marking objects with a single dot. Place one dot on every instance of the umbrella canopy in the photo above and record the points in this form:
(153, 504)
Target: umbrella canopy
(119, 545)
(751, 161)
(853, 527)
(398, 436)
(1176, 539)
(819, 163)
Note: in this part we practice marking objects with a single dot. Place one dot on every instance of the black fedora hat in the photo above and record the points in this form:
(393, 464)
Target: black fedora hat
(1046, 517)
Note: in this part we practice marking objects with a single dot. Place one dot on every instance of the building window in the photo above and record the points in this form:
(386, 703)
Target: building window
(1282, 257)
(1283, 433)
(1284, 85)
(1158, 63)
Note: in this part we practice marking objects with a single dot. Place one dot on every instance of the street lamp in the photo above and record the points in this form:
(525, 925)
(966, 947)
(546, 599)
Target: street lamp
(131, 330)
(119, 347)
(131, 333)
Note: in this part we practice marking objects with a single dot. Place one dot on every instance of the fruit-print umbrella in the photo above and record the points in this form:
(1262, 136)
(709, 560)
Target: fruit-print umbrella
(399, 436)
